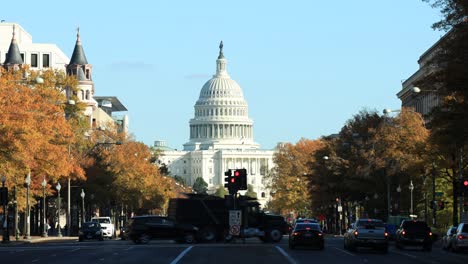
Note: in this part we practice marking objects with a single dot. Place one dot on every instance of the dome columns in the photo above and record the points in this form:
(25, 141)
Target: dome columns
(221, 131)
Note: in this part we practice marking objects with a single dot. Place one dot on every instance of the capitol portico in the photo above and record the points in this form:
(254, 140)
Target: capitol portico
(221, 138)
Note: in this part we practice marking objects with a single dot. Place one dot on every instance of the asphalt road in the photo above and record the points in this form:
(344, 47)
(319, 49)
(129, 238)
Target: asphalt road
(253, 251)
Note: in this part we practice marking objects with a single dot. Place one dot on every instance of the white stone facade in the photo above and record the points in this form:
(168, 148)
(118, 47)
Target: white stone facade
(221, 138)
(37, 55)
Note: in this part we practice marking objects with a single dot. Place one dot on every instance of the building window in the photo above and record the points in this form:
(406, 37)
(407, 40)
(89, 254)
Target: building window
(45, 60)
(263, 194)
(211, 170)
(22, 57)
(34, 62)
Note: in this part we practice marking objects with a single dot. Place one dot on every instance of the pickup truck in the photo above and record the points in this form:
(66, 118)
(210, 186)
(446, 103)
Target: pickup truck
(414, 233)
(366, 233)
(108, 229)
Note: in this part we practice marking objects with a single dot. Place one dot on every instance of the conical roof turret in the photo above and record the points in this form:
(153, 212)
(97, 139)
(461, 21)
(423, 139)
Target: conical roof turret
(78, 56)
(14, 56)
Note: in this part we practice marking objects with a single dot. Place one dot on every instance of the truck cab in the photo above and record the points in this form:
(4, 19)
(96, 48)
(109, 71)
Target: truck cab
(107, 226)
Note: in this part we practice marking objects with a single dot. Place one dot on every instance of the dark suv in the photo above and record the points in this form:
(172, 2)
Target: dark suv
(141, 229)
(414, 233)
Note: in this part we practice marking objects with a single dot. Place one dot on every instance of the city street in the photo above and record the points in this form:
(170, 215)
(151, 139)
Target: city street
(253, 251)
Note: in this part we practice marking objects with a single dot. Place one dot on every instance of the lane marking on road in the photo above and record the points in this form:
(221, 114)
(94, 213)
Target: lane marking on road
(76, 249)
(127, 249)
(286, 255)
(404, 254)
(35, 260)
(181, 255)
(344, 251)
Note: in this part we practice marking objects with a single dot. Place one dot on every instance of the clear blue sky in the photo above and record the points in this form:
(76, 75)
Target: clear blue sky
(305, 67)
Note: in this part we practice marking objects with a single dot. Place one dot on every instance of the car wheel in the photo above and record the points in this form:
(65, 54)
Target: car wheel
(189, 238)
(144, 239)
(274, 235)
(208, 234)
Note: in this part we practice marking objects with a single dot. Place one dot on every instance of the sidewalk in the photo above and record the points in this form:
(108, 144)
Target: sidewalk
(37, 239)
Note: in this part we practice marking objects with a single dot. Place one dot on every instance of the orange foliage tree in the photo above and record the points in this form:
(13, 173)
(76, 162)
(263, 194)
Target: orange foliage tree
(34, 132)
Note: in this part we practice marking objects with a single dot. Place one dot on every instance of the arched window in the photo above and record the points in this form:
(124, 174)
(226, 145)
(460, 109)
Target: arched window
(82, 95)
(263, 194)
(87, 95)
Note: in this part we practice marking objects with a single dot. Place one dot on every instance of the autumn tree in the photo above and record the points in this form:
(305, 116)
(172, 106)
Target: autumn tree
(34, 128)
(449, 78)
(289, 180)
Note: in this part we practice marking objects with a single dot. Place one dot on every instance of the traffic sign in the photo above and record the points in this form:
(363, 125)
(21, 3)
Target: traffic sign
(235, 217)
(234, 230)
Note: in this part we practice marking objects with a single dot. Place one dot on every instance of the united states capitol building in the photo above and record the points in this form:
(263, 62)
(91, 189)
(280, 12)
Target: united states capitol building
(221, 138)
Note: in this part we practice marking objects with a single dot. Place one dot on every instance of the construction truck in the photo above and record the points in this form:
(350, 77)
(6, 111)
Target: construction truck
(211, 214)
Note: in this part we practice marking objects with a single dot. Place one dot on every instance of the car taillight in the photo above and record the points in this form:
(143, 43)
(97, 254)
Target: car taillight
(386, 234)
(403, 232)
(460, 237)
(295, 233)
(320, 234)
(356, 233)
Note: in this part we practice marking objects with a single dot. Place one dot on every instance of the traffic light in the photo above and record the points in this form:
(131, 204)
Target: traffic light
(241, 177)
(227, 179)
(441, 205)
(464, 186)
(3, 195)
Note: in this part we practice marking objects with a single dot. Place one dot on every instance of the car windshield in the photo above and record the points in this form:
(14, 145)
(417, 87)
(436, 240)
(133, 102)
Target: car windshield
(300, 227)
(90, 225)
(415, 225)
(102, 220)
(465, 228)
(370, 224)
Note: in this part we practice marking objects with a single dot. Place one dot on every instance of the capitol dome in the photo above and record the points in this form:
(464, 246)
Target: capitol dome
(221, 118)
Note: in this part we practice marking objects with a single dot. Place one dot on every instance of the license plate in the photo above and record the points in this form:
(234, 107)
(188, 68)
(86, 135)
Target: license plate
(307, 235)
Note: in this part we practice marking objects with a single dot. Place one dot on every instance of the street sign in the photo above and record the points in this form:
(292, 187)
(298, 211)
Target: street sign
(235, 217)
(340, 208)
(234, 230)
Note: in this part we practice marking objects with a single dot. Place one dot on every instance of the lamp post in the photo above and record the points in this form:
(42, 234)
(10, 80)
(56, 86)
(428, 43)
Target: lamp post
(15, 204)
(27, 234)
(44, 221)
(6, 236)
(59, 232)
(411, 188)
(82, 204)
(398, 189)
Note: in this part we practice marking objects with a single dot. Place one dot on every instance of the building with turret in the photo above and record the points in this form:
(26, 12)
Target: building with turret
(221, 138)
(18, 49)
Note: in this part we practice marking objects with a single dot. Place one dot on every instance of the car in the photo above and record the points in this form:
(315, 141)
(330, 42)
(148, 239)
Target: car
(366, 232)
(306, 234)
(414, 233)
(305, 220)
(459, 240)
(141, 229)
(90, 230)
(447, 238)
(107, 226)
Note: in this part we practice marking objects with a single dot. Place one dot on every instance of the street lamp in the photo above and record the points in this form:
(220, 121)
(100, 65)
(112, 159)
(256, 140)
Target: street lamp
(6, 236)
(27, 235)
(398, 189)
(44, 225)
(82, 204)
(411, 187)
(58, 187)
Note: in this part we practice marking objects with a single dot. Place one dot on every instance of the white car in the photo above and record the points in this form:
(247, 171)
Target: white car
(108, 229)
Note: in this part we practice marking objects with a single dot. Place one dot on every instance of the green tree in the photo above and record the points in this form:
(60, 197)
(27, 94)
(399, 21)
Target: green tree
(221, 191)
(250, 192)
(200, 186)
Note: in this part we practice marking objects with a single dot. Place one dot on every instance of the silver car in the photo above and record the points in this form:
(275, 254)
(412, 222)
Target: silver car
(447, 238)
(460, 238)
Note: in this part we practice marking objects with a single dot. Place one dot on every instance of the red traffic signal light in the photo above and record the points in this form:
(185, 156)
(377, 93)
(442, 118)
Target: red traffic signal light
(465, 183)
(237, 173)
(242, 176)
